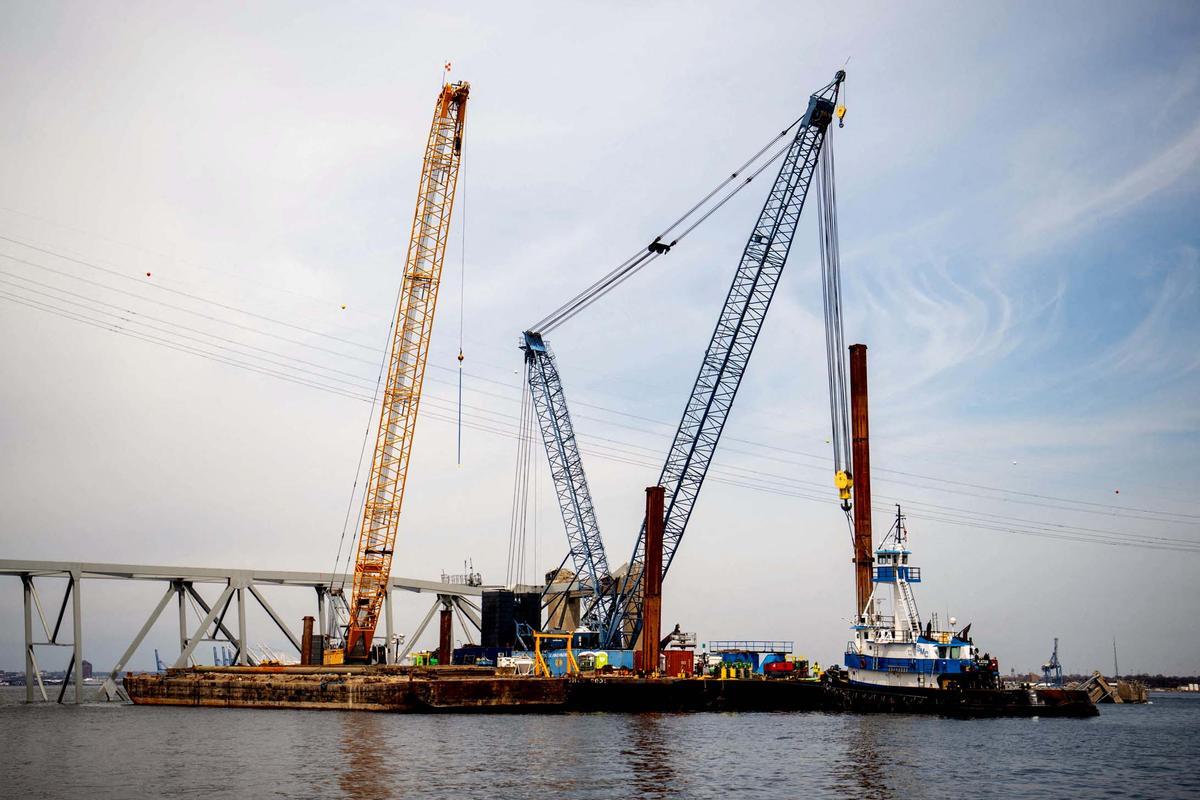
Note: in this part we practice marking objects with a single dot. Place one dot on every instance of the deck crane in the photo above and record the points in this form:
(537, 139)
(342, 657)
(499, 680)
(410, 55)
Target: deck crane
(720, 374)
(729, 350)
(406, 368)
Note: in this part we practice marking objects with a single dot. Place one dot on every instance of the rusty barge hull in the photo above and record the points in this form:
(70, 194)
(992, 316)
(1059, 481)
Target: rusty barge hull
(435, 691)
(477, 689)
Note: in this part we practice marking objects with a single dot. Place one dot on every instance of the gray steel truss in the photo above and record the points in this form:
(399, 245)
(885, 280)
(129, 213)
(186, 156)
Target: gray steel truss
(181, 584)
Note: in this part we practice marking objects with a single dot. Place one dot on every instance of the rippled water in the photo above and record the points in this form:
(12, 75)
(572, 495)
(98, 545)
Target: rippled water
(102, 751)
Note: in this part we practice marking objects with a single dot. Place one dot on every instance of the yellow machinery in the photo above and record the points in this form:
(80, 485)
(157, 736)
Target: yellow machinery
(539, 664)
(406, 368)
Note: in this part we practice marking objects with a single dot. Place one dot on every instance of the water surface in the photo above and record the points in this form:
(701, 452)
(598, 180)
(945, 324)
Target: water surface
(100, 751)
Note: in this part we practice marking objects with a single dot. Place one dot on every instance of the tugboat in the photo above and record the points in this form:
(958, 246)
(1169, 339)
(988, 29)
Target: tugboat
(896, 663)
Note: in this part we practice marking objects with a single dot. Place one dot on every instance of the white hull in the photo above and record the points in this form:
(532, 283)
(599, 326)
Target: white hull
(897, 680)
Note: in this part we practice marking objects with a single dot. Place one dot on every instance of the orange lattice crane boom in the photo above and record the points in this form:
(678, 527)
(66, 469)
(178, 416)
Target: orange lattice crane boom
(406, 368)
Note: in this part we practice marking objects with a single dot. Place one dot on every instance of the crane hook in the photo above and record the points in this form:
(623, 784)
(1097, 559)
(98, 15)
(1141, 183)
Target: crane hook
(844, 483)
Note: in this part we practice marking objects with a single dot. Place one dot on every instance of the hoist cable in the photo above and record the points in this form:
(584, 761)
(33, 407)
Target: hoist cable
(520, 497)
(462, 302)
(358, 471)
(637, 263)
(831, 298)
(758, 171)
(595, 292)
(732, 177)
(644, 256)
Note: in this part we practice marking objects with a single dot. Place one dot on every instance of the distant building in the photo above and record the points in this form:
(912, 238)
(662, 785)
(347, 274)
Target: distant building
(87, 669)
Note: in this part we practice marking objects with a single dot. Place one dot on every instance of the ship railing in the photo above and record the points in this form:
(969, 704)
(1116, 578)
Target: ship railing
(751, 646)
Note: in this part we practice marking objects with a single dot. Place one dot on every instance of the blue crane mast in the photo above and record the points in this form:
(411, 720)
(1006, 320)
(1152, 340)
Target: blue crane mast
(728, 355)
(615, 608)
(570, 483)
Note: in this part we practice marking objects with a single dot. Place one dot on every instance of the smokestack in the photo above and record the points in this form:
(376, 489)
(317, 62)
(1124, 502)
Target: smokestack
(652, 580)
(306, 642)
(861, 472)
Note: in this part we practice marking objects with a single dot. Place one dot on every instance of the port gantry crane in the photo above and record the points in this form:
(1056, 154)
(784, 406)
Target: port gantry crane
(406, 368)
(1052, 669)
(619, 608)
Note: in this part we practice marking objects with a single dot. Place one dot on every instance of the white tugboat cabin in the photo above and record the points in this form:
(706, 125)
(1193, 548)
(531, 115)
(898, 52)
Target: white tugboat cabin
(891, 647)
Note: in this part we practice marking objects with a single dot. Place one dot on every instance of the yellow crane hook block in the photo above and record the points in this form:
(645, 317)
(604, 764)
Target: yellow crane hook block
(844, 484)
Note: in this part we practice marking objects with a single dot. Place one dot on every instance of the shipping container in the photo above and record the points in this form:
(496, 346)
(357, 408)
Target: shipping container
(679, 662)
(672, 663)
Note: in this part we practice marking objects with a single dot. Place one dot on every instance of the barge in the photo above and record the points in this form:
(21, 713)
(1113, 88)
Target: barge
(481, 689)
(895, 663)
(462, 689)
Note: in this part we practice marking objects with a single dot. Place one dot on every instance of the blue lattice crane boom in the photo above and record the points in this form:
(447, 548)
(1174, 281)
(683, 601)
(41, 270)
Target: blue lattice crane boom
(728, 354)
(570, 483)
(619, 611)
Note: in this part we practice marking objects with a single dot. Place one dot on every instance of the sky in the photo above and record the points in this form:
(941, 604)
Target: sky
(1019, 211)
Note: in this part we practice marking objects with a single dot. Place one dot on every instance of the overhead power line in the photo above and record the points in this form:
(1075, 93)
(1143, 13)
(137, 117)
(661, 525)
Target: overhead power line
(189, 295)
(733, 475)
(355, 388)
(1051, 501)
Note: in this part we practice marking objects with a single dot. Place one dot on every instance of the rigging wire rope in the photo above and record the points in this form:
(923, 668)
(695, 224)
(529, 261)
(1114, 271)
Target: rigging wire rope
(462, 299)
(831, 299)
(643, 257)
(333, 577)
(520, 498)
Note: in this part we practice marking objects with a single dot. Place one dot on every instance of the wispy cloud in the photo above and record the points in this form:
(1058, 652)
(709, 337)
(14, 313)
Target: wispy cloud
(1078, 204)
(1160, 344)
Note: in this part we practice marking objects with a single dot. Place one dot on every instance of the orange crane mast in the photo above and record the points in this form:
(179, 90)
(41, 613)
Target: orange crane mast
(406, 368)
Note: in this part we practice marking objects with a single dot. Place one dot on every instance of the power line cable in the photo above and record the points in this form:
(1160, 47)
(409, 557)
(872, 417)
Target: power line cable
(183, 309)
(342, 390)
(620, 454)
(114, 328)
(182, 293)
(138, 318)
(240, 276)
(1107, 508)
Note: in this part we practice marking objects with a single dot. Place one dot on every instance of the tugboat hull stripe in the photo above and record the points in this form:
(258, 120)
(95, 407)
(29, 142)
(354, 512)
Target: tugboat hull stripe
(928, 666)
